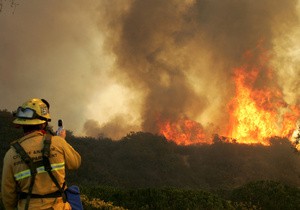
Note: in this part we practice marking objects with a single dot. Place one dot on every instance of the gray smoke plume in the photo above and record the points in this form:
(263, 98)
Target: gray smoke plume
(182, 54)
(170, 59)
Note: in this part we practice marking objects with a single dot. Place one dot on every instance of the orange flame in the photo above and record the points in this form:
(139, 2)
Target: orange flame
(183, 132)
(257, 112)
(251, 119)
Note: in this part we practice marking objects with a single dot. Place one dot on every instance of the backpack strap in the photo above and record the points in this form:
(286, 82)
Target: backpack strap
(47, 165)
(33, 166)
(26, 158)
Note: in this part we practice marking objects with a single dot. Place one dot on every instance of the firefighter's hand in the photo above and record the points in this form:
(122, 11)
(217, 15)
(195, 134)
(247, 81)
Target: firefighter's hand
(62, 133)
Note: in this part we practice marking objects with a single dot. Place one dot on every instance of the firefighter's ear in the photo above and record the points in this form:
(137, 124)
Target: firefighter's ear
(43, 126)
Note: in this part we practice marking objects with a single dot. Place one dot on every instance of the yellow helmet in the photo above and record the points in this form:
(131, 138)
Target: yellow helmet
(33, 112)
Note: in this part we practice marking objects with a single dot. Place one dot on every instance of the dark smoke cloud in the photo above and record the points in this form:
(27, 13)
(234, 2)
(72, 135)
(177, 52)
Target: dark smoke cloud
(182, 54)
(176, 57)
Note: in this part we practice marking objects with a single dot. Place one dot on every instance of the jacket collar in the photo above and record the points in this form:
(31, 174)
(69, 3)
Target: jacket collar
(31, 134)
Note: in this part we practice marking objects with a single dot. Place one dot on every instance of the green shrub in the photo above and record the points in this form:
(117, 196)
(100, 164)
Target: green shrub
(268, 195)
(96, 203)
(154, 198)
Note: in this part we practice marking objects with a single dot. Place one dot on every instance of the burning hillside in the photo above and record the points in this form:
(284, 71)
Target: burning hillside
(197, 68)
(187, 69)
(257, 112)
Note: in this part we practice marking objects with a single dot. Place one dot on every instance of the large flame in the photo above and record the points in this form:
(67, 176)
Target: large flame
(257, 112)
(183, 131)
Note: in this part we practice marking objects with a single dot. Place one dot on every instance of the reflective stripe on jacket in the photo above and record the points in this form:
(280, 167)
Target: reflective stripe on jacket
(26, 173)
(16, 174)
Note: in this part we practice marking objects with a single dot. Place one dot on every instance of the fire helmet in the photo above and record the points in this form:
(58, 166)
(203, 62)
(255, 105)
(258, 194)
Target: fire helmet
(33, 112)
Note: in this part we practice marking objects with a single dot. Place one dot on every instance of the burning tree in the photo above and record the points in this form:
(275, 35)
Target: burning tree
(257, 112)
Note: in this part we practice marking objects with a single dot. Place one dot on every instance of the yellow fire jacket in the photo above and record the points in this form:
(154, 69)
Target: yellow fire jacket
(16, 174)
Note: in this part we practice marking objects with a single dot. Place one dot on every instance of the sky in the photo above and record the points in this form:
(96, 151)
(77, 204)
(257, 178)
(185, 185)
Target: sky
(109, 67)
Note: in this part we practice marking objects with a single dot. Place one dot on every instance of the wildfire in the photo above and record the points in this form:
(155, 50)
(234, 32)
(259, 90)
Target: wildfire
(183, 132)
(257, 112)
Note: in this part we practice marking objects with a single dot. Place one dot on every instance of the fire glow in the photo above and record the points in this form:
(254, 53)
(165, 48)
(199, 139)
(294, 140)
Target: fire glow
(257, 112)
(183, 132)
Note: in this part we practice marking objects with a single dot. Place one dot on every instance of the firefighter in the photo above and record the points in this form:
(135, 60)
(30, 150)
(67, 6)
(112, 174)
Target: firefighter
(33, 116)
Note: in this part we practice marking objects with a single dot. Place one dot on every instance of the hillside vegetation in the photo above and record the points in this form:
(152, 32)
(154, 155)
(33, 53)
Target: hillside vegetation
(145, 171)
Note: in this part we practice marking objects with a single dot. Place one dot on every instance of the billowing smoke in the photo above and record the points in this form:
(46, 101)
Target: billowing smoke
(113, 66)
(115, 128)
(181, 54)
